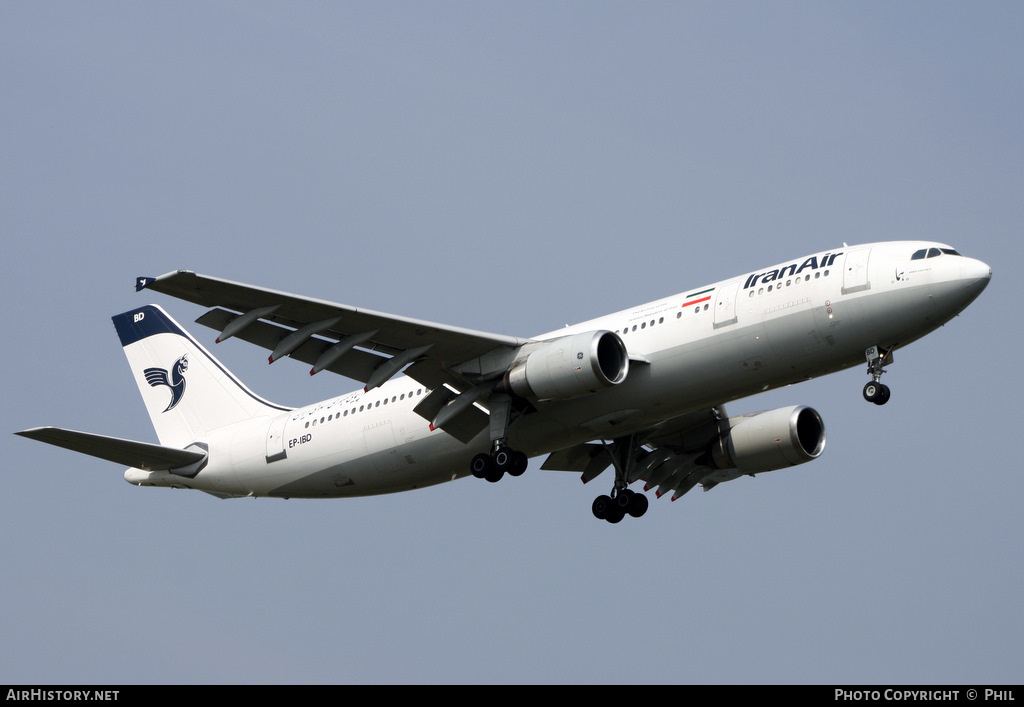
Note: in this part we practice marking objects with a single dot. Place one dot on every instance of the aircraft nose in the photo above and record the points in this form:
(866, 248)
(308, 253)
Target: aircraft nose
(976, 273)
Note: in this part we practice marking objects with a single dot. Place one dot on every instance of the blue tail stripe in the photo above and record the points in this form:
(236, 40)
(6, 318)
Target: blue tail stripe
(143, 322)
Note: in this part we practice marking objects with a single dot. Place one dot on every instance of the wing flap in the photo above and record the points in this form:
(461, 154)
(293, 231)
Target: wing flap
(588, 459)
(140, 455)
(467, 424)
(355, 363)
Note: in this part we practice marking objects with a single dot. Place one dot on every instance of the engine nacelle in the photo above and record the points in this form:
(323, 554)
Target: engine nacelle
(764, 441)
(568, 366)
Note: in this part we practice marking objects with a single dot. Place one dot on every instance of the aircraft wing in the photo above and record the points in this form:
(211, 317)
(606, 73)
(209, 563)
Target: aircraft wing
(357, 343)
(369, 346)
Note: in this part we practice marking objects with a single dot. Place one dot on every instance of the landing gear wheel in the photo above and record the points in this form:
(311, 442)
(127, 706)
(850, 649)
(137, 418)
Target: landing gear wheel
(481, 465)
(625, 499)
(637, 505)
(615, 509)
(502, 458)
(884, 397)
(877, 393)
(519, 464)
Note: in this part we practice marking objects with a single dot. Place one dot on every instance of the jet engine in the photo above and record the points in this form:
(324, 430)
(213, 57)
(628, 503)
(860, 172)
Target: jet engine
(568, 366)
(764, 441)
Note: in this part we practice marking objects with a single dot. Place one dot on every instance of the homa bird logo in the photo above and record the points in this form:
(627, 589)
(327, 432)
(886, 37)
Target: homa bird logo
(158, 376)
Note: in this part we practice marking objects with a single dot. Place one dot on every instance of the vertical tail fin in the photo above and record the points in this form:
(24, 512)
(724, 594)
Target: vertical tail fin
(187, 392)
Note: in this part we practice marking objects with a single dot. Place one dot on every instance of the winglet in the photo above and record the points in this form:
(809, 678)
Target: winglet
(142, 283)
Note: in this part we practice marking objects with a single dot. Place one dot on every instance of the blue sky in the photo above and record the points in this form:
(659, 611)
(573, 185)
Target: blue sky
(510, 168)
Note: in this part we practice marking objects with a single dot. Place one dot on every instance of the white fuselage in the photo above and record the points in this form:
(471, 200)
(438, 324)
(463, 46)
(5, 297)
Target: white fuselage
(697, 349)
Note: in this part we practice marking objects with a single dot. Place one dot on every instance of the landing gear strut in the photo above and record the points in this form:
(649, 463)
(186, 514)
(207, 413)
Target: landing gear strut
(502, 458)
(875, 391)
(622, 501)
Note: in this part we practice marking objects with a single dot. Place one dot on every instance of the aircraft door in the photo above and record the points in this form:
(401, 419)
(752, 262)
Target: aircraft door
(855, 271)
(275, 439)
(381, 444)
(725, 304)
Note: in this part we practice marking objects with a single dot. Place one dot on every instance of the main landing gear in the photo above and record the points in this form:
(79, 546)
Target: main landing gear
(495, 465)
(621, 501)
(615, 507)
(502, 459)
(875, 391)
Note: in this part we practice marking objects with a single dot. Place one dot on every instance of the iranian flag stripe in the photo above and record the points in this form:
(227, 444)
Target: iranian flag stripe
(700, 299)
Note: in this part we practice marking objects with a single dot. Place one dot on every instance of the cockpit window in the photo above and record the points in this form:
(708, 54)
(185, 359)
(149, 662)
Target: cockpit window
(932, 253)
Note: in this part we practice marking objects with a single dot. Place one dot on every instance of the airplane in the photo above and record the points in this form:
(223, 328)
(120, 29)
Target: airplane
(641, 391)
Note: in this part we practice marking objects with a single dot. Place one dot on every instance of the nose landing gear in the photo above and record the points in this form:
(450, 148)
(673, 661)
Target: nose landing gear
(877, 393)
(878, 358)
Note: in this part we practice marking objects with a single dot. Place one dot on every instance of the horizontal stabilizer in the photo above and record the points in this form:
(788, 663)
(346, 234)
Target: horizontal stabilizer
(140, 455)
